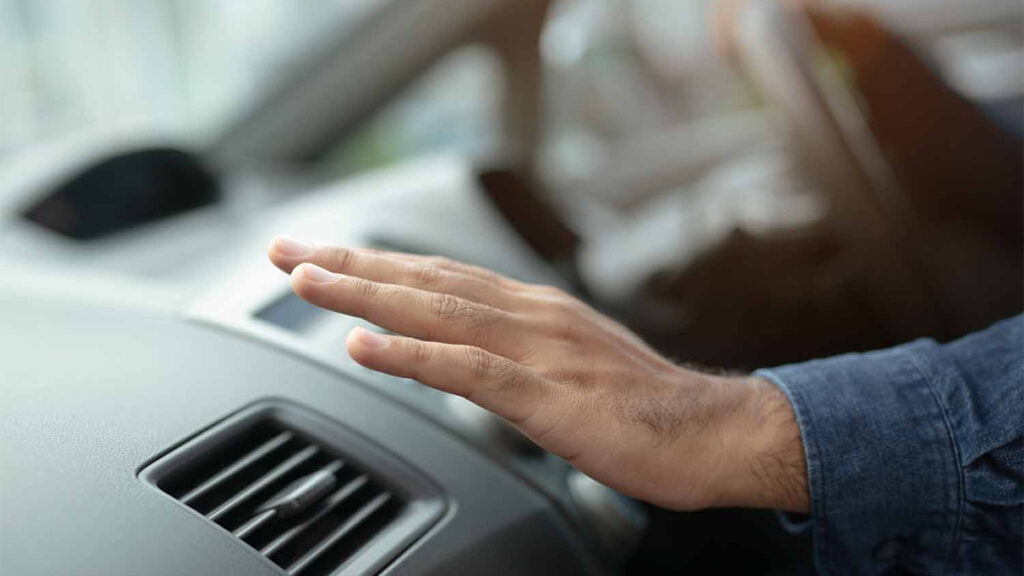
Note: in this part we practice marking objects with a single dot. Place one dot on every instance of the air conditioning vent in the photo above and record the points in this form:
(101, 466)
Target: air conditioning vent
(312, 497)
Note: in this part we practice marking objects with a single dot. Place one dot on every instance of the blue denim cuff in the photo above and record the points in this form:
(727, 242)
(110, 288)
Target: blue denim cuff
(793, 523)
(882, 468)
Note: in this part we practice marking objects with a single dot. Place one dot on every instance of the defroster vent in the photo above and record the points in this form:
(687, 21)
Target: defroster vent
(312, 497)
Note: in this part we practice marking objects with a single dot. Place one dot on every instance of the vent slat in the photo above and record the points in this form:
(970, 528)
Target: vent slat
(255, 523)
(244, 462)
(334, 537)
(333, 502)
(263, 518)
(262, 482)
(299, 489)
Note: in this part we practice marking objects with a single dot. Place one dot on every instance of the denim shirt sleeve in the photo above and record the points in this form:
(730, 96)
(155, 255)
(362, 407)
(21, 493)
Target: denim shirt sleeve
(915, 455)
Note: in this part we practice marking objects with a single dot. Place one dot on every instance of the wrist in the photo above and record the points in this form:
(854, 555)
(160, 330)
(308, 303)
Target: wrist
(763, 463)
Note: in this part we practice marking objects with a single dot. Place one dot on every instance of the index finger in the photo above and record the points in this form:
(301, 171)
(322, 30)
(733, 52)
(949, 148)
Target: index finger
(432, 275)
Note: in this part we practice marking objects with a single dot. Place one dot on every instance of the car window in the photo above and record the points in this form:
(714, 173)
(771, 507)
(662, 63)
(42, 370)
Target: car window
(185, 65)
(430, 117)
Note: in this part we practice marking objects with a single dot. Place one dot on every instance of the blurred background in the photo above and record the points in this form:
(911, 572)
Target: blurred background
(192, 67)
(614, 69)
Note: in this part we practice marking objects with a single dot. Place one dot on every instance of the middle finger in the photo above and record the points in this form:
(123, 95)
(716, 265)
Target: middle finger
(434, 316)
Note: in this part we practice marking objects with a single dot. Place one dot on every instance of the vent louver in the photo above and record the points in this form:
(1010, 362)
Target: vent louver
(310, 496)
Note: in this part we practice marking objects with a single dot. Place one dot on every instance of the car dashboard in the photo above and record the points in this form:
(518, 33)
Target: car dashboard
(217, 426)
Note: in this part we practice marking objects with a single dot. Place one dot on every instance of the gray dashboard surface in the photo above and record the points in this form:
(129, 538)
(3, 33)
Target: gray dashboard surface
(92, 391)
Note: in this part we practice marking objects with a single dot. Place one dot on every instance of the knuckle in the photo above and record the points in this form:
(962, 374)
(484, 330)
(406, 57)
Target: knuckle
(505, 377)
(439, 262)
(428, 274)
(485, 324)
(341, 259)
(480, 363)
(478, 323)
(446, 306)
(366, 289)
(419, 352)
(558, 298)
(452, 309)
(463, 269)
(563, 326)
(568, 379)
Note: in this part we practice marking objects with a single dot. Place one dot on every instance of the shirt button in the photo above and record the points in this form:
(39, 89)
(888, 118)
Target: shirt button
(887, 551)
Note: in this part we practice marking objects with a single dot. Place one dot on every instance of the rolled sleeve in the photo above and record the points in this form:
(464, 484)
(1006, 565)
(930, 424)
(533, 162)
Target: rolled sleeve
(883, 434)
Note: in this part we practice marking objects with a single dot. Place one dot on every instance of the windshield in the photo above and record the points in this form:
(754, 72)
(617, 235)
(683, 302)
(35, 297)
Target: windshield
(185, 66)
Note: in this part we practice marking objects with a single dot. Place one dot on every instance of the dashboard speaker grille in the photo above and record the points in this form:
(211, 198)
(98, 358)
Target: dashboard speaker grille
(310, 496)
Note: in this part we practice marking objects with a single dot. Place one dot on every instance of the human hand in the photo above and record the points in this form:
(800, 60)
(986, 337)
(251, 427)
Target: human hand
(572, 380)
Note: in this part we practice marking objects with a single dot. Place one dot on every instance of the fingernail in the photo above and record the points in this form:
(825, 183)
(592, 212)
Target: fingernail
(371, 339)
(292, 247)
(316, 274)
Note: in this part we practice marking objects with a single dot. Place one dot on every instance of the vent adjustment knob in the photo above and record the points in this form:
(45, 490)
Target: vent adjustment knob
(301, 494)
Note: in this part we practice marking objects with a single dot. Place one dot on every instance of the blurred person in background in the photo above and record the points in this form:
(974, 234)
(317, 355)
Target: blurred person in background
(953, 160)
(905, 460)
(957, 166)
